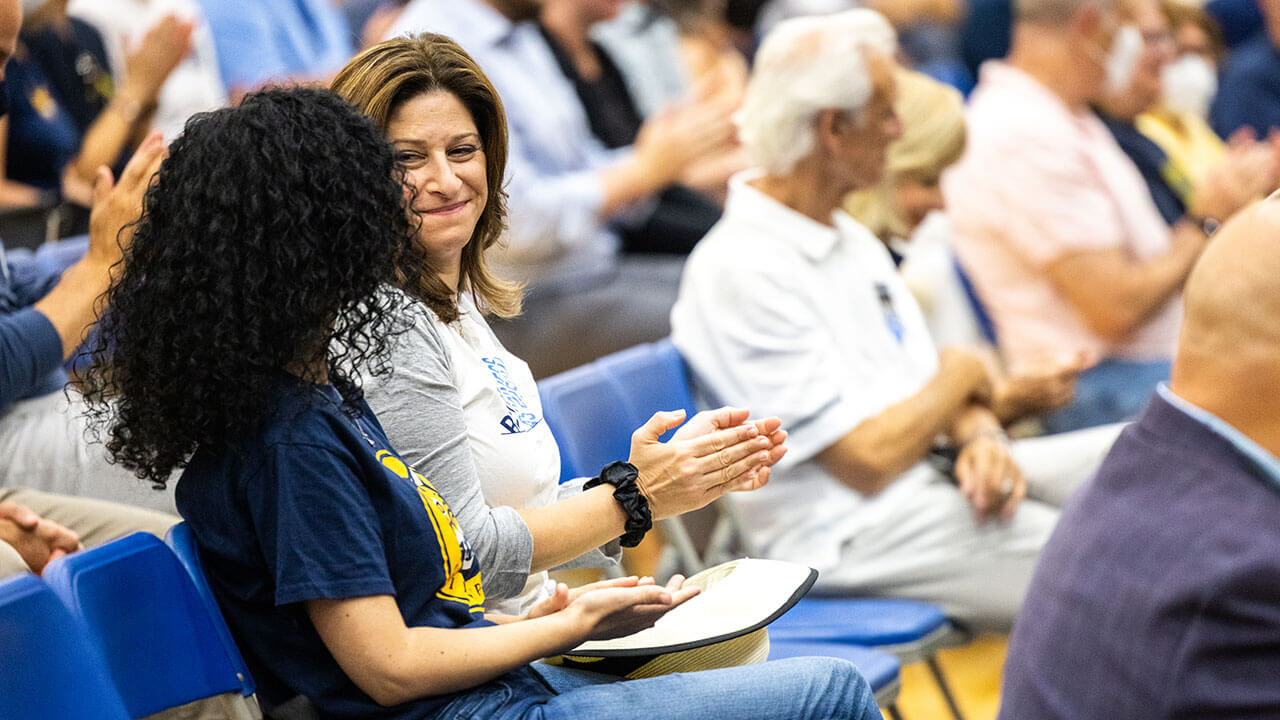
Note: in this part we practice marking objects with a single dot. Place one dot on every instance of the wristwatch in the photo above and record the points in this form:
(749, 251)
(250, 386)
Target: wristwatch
(623, 476)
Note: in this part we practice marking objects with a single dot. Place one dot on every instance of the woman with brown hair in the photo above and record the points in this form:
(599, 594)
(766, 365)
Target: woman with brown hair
(456, 389)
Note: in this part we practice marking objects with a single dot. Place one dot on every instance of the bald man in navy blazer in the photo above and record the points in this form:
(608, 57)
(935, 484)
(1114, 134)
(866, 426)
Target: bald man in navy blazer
(1158, 595)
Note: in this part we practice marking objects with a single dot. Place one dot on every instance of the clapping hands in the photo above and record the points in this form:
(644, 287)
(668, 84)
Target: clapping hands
(716, 452)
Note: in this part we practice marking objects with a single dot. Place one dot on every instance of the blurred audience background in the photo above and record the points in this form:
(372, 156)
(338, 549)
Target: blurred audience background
(1061, 168)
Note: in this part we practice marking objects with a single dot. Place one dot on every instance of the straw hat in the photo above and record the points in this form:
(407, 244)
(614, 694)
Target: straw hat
(724, 626)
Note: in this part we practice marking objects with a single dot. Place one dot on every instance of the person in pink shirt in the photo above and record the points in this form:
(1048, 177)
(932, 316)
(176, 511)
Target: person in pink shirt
(1055, 225)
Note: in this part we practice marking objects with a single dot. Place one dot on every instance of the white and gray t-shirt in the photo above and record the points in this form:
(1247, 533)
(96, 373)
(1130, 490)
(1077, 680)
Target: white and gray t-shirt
(456, 391)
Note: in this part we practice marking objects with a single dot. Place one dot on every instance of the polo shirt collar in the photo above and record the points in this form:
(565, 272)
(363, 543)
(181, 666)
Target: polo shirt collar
(1264, 461)
(813, 239)
(1022, 84)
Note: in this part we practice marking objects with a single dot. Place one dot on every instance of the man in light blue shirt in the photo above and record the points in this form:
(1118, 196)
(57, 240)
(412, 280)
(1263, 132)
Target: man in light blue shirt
(44, 312)
(267, 41)
(566, 190)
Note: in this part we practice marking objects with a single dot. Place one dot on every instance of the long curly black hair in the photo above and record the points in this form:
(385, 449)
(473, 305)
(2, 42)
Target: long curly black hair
(266, 243)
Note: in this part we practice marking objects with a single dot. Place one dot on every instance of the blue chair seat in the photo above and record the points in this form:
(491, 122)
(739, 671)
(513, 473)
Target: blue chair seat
(872, 622)
(881, 670)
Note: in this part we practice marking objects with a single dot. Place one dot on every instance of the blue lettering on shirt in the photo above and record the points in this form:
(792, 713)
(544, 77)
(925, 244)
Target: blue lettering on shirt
(520, 418)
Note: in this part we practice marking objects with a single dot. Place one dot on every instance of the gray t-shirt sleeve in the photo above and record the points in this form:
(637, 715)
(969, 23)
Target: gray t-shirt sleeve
(418, 407)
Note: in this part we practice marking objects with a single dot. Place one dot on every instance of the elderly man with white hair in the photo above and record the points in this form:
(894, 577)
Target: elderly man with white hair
(790, 306)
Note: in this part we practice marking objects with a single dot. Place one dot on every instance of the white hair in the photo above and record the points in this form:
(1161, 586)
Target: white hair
(804, 66)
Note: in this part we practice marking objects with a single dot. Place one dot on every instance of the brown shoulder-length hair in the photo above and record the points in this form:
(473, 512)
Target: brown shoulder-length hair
(387, 75)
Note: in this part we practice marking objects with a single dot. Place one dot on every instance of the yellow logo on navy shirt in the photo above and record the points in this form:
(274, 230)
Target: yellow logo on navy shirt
(459, 559)
(42, 101)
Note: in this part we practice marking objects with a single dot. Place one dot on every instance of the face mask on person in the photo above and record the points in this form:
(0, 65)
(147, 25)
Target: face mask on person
(1122, 59)
(1188, 85)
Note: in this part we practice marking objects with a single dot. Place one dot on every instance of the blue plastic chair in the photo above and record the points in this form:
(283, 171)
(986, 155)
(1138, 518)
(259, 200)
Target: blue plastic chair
(985, 324)
(144, 613)
(651, 378)
(587, 415)
(183, 543)
(871, 622)
(912, 631)
(882, 671)
(48, 669)
(950, 72)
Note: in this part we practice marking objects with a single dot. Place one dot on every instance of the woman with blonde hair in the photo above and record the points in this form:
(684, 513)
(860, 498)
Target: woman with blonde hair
(456, 389)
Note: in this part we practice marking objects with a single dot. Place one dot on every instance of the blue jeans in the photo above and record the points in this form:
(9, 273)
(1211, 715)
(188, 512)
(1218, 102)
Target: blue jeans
(793, 689)
(1111, 391)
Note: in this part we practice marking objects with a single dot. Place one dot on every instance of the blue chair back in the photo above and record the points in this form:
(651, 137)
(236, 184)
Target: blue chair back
(985, 324)
(183, 542)
(651, 378)
(48, 668)
(589, 418)
(143, 612)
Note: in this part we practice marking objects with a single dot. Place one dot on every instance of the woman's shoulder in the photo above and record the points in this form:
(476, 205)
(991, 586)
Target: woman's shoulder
(421, 364)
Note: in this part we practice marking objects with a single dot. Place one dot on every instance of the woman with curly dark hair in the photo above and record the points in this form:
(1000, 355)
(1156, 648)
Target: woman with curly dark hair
(232, 277)
(250, 299)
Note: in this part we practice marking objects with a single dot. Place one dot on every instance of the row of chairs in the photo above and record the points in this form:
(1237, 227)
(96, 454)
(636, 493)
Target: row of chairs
(135, 624)
(124, 630)
(592, 410)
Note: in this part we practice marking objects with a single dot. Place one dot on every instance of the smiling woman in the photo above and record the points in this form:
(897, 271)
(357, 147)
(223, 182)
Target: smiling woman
(383, 82)
(437, 141)
(457, 390)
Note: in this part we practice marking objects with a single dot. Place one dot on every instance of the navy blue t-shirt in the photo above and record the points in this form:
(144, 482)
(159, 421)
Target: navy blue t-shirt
(318, 505)
(58, 83)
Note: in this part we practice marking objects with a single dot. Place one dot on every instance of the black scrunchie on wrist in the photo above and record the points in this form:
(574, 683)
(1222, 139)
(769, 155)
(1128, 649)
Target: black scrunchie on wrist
(623, 476)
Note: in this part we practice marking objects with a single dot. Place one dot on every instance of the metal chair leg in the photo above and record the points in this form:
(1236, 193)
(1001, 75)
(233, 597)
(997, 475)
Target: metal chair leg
(678, 539)
(941, 680)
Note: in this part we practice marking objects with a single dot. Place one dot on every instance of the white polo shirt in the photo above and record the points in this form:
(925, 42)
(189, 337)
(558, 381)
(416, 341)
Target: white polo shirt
(809, 322)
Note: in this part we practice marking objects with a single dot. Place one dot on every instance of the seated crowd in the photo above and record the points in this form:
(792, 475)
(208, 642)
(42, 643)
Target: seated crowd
(1000, 340)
